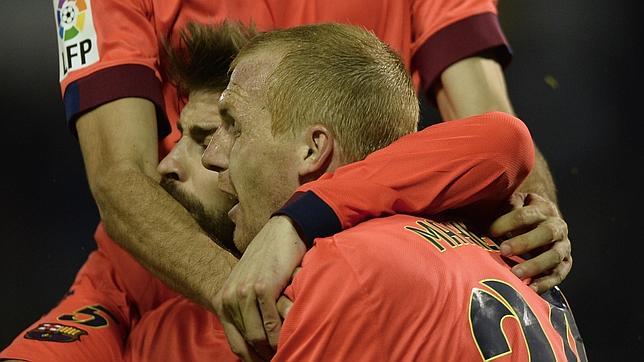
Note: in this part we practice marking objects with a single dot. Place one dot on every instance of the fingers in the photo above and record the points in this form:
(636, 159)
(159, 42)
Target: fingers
(272, 324)
(235, 339)
(297, 270)
(230, 309)
(254, 325)
(517, 199)
(529, 227)
(554, 278)
(250, 293)
(284, 306)
(529, 210)
(540, 264)
(283, 303)
(535, 225)
(240, 310)
(546, 232)
(238, 343)
(515, 220)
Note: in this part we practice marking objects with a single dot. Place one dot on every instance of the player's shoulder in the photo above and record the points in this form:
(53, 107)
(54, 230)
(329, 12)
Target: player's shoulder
(375, 248)
(409, 245)
(385, 236)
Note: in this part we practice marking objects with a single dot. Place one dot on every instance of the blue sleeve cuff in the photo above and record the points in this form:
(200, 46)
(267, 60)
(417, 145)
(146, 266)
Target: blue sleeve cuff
(311, 216)
(109, 84)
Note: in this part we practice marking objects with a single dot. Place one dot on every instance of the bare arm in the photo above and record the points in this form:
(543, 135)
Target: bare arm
(119, 145)
(477, 85)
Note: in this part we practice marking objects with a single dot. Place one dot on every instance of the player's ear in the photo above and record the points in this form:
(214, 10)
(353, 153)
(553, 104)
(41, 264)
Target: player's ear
(317, 152)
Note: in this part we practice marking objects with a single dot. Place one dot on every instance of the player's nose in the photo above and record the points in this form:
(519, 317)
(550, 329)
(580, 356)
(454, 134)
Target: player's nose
(171, 166)
(215, 157)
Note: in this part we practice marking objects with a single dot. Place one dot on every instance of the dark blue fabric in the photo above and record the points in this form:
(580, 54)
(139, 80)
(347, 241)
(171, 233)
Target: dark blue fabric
(311, 216)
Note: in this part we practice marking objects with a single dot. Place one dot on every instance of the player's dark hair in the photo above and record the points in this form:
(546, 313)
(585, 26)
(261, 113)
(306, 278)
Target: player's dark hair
(201, 58)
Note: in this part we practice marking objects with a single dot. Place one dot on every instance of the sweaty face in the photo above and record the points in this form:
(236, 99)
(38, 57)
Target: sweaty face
(184, 177)
(257, 167)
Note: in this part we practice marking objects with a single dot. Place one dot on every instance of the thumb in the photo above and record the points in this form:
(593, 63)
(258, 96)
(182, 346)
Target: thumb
(284, 306)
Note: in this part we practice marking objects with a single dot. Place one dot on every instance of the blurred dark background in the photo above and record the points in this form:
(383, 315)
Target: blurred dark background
(576, 80)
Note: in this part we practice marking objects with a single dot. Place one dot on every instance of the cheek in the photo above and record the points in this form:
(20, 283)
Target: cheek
(238, 145)
(199, 175)
(247, 177)
(205, 181)
(204, 178)
(241, 164)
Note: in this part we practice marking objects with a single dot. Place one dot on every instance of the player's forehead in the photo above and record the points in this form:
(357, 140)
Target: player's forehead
(202, 107)
(248, 78)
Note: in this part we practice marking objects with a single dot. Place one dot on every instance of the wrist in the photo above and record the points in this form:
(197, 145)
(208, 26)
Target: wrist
(286, 226)
(310, 216)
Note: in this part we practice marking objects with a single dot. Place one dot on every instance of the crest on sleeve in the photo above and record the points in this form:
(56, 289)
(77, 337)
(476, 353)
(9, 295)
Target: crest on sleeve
(55, 332)
(77, 45)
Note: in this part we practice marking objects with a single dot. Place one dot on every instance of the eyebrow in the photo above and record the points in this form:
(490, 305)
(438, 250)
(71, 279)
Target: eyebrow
(225, 114)
(200, 132)
(224, 109)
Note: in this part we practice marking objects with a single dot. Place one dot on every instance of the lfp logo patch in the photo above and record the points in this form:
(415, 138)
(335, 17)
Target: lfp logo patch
(76, 35)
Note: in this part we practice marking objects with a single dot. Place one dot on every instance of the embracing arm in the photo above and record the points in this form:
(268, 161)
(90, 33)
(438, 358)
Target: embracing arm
(478, 161)
(475, 85)
(460, 55)
(119, 145)
(485, 92)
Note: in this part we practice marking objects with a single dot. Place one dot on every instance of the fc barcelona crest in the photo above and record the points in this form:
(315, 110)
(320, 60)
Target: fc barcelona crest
(54, 332)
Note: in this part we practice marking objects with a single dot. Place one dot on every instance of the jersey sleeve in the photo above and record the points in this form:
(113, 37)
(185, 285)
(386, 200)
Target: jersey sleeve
(446, 31)
(479, 160)
(108, 49)
(91, 323)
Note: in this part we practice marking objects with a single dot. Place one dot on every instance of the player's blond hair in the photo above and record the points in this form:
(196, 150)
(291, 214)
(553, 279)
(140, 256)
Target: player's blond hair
(340, 76)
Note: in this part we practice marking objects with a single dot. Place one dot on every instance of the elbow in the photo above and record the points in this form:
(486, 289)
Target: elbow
(102, 181)
(103, 186)
(513, 147)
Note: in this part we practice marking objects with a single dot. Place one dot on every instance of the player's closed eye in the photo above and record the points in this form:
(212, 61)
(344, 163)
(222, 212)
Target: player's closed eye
(234, 128)
(206, 141)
